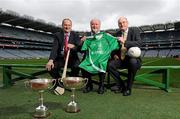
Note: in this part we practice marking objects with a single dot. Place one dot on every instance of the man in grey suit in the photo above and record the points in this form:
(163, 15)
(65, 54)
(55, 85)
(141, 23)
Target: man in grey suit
(128, 37)
(64, 40)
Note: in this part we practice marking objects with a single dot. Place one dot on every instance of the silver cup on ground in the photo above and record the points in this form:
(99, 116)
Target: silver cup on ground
(40, 85)
(73, 83)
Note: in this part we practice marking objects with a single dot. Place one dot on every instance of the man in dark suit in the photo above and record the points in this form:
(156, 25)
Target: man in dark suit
(128, 37)
(64, 40)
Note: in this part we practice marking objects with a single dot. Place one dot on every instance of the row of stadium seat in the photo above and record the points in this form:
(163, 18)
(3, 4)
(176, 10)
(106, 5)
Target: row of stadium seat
(155, 44)
(24, 34)
(161, 53)
(21, 54)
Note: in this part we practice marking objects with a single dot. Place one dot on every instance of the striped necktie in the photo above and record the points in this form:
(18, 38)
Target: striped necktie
(123, 49)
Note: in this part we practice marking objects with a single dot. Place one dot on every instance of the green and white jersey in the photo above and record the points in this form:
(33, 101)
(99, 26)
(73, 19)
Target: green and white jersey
(99, 48)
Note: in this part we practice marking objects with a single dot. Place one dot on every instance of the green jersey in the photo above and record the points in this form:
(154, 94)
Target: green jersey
(99, 48)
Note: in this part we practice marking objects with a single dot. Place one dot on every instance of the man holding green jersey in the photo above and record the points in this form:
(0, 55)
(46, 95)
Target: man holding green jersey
(98, 48)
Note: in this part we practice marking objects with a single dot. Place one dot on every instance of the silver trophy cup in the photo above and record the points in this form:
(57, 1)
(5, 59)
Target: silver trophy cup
(73, 83)
(40, 85)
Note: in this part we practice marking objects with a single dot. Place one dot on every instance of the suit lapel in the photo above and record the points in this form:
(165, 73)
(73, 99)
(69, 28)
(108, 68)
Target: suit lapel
(70, 38)
(129, 34)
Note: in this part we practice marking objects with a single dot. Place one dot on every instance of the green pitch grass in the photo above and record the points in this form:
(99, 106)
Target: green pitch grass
(146, 102)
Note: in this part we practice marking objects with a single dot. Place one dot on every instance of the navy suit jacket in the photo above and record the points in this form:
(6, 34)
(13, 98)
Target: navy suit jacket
(58, 44)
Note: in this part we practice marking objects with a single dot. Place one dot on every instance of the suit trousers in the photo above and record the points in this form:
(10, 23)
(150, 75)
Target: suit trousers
(59, 64)
(131, 64)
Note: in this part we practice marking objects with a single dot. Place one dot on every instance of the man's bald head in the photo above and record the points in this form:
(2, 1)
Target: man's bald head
(123, 23)
(95, 25)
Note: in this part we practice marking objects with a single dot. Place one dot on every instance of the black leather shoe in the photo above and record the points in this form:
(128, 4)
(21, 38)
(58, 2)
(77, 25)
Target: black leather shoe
(87, 89)
(101, 90)
(127, 92)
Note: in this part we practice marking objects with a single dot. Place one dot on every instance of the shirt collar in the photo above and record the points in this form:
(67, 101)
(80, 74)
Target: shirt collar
(67, 33)
(126, 30)
(94, 33)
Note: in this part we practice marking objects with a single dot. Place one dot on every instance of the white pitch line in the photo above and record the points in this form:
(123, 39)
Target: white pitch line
(151, 61)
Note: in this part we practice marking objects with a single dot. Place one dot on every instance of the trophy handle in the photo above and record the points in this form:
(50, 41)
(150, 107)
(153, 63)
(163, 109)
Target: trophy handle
(55, 82)
(27, 84)
(85, 82)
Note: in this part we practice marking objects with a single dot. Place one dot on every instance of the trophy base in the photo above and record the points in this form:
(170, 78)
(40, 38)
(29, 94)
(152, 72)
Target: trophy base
(72, 107)
(41, 115)
(41, 112)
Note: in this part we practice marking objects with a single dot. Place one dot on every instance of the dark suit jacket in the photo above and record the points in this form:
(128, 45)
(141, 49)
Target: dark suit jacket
(133, 38)
(58, 44)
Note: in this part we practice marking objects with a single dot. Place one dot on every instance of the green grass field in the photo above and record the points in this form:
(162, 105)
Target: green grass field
(146, 102)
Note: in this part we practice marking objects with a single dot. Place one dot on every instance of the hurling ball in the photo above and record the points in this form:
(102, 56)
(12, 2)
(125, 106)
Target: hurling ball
(134, 52)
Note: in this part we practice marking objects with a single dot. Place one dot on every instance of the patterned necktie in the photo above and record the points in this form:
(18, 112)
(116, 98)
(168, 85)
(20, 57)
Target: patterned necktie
(123, 49)
(65, 45)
